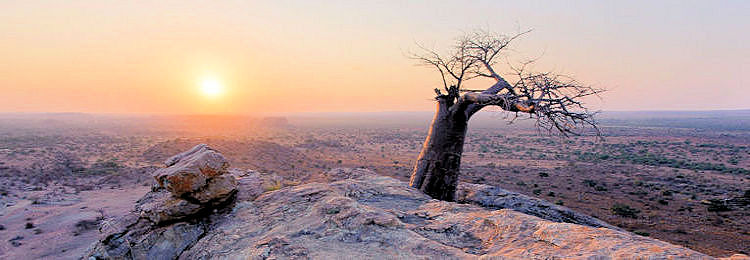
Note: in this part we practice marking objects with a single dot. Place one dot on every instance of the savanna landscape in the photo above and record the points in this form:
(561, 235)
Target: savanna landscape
(684, 185)
(374, 130)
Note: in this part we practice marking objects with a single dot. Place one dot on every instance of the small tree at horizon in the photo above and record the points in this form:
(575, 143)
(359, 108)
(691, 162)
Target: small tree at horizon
(553, 100)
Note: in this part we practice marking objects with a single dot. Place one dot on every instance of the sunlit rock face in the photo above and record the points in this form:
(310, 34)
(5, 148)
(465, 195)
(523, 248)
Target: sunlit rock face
(171, 217)
(376, 217)
(356, 214)
(199, 174)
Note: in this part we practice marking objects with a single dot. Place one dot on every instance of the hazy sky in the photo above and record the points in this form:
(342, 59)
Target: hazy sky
(293, 56)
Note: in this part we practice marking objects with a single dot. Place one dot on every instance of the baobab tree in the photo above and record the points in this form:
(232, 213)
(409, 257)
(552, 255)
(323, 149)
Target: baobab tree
(552, 100)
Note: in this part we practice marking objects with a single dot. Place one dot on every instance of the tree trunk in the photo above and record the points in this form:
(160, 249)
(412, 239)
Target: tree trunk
(437, 168)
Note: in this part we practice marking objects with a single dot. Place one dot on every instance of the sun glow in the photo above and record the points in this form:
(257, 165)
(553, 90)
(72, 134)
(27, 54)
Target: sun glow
(211, 87)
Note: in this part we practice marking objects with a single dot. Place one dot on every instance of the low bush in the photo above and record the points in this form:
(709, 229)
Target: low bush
(625, 211)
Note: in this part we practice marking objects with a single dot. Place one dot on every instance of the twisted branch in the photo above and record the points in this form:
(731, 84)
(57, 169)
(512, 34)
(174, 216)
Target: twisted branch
(553, 100)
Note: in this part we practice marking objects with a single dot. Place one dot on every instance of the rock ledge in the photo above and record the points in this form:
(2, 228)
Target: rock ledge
(358, 215)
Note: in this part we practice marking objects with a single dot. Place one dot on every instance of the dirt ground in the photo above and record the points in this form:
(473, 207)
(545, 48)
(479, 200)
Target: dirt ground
(61, 230)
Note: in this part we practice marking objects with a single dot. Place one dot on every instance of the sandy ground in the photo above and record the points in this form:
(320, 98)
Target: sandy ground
(54, 234)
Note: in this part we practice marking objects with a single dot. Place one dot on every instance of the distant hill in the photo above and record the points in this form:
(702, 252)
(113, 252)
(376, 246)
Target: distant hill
(713, 119)
(735, 120)
(117, 123)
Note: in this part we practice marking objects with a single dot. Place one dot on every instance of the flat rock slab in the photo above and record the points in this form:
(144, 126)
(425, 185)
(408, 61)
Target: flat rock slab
(375, 217)
(497, 198)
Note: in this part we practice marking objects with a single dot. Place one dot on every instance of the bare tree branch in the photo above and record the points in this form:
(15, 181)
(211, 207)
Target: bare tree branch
(553, 100)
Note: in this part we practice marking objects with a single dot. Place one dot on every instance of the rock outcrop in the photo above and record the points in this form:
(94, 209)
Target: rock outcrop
(358, 215)
(170, 218)
(198, 175)
(375, 217)
(497, 198)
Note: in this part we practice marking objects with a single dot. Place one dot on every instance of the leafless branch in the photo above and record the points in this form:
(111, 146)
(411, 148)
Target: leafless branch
(553, 100)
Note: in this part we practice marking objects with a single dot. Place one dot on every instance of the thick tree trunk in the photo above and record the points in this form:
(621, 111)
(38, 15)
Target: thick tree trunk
(437, 168)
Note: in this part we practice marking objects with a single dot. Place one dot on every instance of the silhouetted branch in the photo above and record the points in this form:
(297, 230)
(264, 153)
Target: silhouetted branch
(553, 100)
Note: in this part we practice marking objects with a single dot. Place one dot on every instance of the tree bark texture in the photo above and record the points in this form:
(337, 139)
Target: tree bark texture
(437, 169)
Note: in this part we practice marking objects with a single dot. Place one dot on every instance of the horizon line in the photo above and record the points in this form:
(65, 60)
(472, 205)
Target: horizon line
(322, 112)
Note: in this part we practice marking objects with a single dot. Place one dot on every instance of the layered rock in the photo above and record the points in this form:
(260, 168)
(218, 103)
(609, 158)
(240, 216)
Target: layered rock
(498, 198)
(375, 217)
(172, 217)
(198, 175)
(358, 215)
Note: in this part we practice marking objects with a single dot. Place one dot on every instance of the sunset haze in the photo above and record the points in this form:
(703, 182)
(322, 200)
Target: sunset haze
(310, 56)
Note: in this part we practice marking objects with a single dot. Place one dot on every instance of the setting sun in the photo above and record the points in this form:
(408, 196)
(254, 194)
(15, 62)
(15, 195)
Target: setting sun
(211, 87)
(374, 129)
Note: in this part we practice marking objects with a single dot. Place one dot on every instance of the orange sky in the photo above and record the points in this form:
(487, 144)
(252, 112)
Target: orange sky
(295, 56)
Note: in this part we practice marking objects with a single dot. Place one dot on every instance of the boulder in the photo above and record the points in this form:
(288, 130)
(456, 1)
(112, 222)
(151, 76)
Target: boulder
(147, 242)
(250, 184)
(173, 216)
(198, 174)
(160, 207)
(177, 157)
